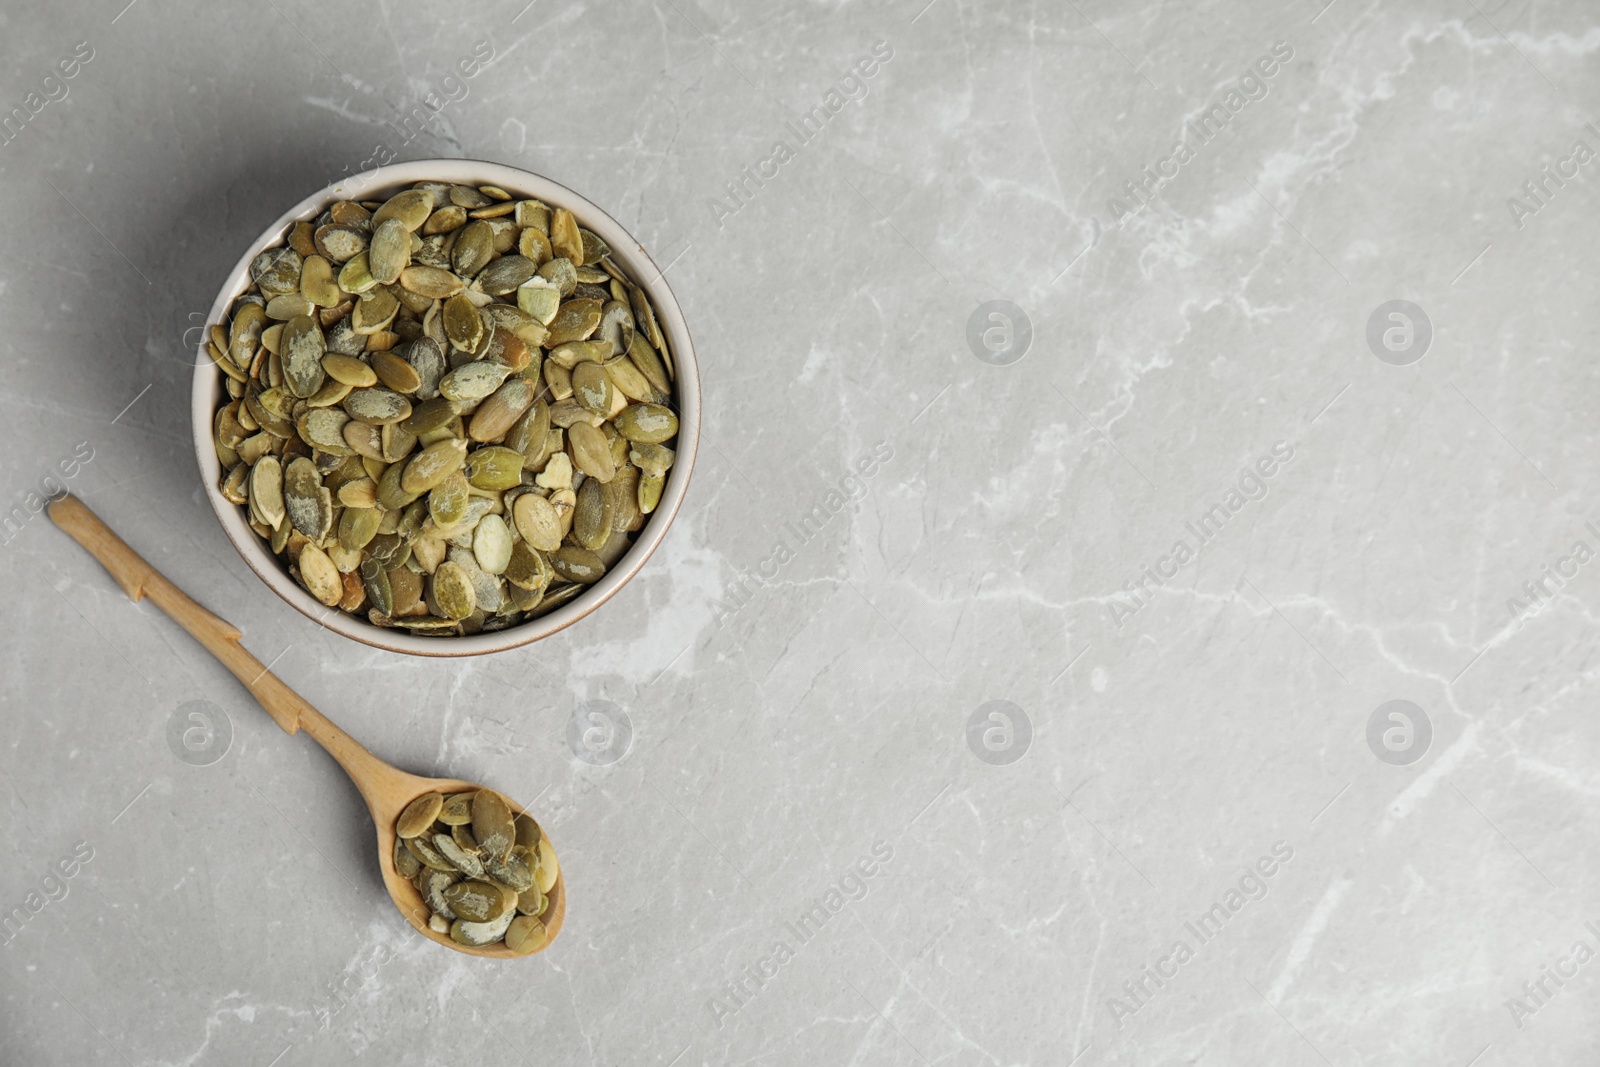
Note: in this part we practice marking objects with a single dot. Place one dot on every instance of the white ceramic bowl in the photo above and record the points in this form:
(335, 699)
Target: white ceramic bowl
(379, 184)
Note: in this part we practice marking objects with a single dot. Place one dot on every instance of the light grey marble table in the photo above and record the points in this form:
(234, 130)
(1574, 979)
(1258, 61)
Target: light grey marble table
(1196, 497)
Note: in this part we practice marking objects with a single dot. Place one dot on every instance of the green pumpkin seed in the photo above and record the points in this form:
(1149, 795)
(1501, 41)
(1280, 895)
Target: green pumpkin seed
(378, 585)
(528, 570)
(447, 501)
(591, 452)
(514, 871)
(591, 520)
(560, 273)
(357, 527)
(340, 244)
(422, 848)
(432, 282)
(349, 370)
(445, 220)
(474, 245)
(453, 591)
(410, 208)
(277, 271)
(377, 406)
(537, 522)
(407, 866)
(539, 299)
(646, 423)
(578, 564)
(373, 312)
(462, 324)
(419, 815)
(431, 884)
(477, 901)
(494, 467)
(303, 348)
(457, 809)
(526, 935)
(650, 487)
(390, 251)
(575, 320)
(266, 491)
(476, 935)
(306, 502)
(395, 372)
(286, 306)
(592, 387)
(320, 576)
(496, 415)
(244, 336)
(317, 282)
(504, 275)
(459, 858)
(355, 276)
(564, 236)
(492, 823)
(491, 544)
(649, 363)
(430, 467)
(428, 361)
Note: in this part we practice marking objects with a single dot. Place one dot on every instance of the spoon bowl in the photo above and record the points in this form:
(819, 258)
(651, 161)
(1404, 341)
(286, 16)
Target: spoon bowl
(405, 895)
(385, 788)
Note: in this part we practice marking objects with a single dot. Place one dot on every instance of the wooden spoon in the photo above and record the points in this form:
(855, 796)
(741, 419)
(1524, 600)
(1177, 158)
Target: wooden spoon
(387, 790)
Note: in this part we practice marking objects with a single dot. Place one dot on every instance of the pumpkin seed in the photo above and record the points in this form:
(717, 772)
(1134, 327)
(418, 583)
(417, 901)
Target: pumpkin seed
(476, 935)
(245, 333)
(411, 208)
(496, 415)
(646, 423)
(390, 251)
(492, 823)
(525, 935)
(432, 282)
(540, 299)
(407, 866)
(395, 372)
(419, 815)
(377, 406)
(477, 901)
(349, 370)
(575, 320)
(462, 324)
(431, 884)
(578, 564)
(307, 503)
(277, 271)
(456, 810)
(430, 466)
(591, 520)
(422, 848)
(453, 591)
(505, 274)
(459, 858)
(537, 522)
(320, 575)
(494, 467)
(590, 451)
(514, 871)
(474, 245)
(592, 387)
(266, 491)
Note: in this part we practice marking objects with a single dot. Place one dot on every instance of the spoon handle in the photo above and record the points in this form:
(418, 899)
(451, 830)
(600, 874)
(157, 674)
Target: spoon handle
(140, 580)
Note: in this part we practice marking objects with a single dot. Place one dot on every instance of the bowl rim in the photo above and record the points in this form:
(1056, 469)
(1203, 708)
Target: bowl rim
(207, 392)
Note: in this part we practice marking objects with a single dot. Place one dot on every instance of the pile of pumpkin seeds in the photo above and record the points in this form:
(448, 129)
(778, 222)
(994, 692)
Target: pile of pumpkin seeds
(449, 411)
(484, 874)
